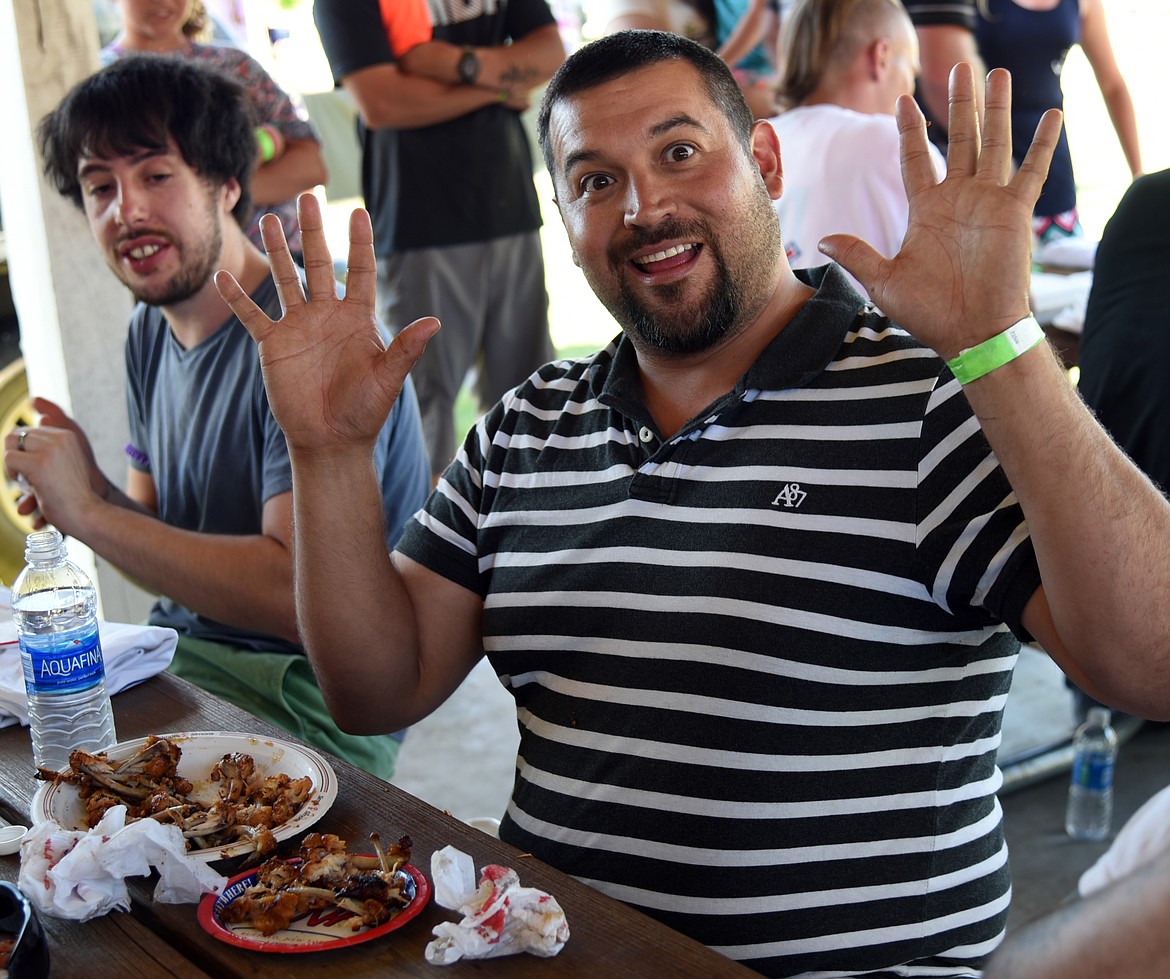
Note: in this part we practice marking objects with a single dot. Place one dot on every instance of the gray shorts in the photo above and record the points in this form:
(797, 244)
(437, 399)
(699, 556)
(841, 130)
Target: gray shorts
(491, 299)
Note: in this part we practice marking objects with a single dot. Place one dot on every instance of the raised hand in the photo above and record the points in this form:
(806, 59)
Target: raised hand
(331, 380)
(962, 274)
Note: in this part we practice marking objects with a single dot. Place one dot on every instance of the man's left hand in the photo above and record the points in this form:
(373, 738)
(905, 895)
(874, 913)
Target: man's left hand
(962, 274)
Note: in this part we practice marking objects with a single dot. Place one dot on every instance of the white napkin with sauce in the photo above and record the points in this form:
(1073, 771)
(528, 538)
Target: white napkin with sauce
(82, 874)
(499, 916)
(132, 653)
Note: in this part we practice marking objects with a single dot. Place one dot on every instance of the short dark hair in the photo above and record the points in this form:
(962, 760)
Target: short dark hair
(139, 102)
(624, 52)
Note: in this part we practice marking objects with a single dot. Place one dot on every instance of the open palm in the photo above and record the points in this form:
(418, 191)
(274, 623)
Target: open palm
(330, 377)
(962, 273)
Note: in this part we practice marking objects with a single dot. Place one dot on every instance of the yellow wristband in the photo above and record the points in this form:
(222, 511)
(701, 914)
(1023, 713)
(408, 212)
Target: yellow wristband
(983, 358)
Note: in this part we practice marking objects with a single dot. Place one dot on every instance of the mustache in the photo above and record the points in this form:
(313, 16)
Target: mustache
(638, 239)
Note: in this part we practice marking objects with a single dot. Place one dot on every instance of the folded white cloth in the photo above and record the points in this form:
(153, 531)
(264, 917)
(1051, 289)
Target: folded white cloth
(80, 875)
(499, 916)
(132, 653)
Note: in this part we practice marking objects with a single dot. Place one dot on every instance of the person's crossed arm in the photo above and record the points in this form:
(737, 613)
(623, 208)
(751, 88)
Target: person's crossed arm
(240, 580)
(401, 79)
(1099, 526)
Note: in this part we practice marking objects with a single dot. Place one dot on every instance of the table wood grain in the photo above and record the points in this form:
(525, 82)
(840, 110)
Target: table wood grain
(607, 937)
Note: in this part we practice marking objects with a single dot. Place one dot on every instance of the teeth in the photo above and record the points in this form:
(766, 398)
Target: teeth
(144, 251)
(663, 255)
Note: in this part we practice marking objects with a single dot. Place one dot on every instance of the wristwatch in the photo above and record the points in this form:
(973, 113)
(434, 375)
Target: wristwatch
(468, 67)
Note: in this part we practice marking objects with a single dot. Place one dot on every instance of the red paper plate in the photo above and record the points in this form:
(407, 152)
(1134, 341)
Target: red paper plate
(314, 931)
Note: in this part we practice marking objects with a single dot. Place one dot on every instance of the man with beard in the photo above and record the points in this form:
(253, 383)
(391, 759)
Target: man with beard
(753, 573)
(158, 153)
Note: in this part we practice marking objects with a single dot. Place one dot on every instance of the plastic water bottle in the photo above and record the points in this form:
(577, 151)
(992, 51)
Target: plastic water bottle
(1090, 792)
(54, 607)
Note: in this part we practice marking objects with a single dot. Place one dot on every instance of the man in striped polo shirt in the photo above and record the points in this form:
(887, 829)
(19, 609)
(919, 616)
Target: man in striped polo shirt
(753, 573)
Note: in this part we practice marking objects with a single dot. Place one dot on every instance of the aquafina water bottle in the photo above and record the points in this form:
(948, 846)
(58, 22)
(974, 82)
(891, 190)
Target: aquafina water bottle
(54, 607)
(1090, 792)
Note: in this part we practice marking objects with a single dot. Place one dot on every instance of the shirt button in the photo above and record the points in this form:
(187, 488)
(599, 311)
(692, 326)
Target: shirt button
(645, 434)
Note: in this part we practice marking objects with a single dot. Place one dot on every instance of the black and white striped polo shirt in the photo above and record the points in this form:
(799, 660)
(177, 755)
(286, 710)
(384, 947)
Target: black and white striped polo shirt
(760, 665)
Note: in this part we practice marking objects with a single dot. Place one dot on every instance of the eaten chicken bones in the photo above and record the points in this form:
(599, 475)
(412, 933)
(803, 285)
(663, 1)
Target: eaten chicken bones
(238, 802)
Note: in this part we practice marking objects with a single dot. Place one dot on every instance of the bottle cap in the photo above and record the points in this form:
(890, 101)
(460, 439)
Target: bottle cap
(1100, 716)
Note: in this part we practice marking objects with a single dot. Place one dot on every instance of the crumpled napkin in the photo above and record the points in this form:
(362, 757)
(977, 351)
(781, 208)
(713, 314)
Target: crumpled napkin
(80, 875)
(132, 653)
(499, 916)
(1145, 835)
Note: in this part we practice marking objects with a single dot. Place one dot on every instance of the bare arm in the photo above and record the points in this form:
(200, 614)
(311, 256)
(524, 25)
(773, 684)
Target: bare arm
(388, 98)
(1119, 932)
(403, 638)
(519, 66)
(245, 581)
(1099, 53)
(941, 47)
(1098, 525)
(300, 167)
(745, 35)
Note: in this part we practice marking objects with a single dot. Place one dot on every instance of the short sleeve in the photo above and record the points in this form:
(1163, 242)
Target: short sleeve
(352, 34)
(443, 535)
(975, 552)
(407, 23)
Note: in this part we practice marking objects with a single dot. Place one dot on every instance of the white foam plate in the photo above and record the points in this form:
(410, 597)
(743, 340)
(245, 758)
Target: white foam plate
(61, 802)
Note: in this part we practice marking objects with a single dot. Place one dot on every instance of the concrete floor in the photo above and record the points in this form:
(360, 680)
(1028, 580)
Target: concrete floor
(463, 757)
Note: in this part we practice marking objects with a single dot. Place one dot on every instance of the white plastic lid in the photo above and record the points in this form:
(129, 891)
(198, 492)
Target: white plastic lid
(1100, 716)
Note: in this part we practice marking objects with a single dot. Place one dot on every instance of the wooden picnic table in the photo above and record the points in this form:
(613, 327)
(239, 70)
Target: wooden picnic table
(607, 938)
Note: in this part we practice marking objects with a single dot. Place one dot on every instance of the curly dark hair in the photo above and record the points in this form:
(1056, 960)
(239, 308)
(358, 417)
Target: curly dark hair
(140, 102)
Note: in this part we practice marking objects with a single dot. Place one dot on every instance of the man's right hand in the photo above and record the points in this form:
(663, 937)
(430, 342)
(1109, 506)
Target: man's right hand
(56, 464)
(331, 380)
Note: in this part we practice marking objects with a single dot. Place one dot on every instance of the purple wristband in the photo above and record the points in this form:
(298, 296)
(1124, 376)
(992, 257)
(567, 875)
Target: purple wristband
(137, 455)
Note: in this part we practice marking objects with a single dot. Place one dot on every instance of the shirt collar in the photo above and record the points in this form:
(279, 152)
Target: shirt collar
(799, 353)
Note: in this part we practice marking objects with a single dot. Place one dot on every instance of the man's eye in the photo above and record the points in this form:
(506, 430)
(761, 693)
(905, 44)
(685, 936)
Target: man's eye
(595, 182)
(96, 190)
(158, 178)
(679, 152)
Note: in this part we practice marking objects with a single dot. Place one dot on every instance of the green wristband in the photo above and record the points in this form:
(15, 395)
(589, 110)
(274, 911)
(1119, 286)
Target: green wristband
(265, 144)
(974, 362)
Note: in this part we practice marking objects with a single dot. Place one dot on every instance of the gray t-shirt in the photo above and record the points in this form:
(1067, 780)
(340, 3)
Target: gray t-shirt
(200, 425)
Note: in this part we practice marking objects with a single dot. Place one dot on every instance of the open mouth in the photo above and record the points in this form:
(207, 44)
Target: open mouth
(668, 259)
(143, 251)
(143, 256)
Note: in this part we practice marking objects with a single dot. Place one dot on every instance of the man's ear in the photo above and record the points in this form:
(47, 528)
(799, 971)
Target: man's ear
(231, 194)
(766, 153)
(878, 58)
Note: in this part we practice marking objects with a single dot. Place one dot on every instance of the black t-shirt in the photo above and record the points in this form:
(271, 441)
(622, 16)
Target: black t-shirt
(461, 181)
(1125, 348)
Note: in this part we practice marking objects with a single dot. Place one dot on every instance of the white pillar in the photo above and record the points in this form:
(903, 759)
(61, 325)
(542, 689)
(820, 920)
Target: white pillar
(72, 311)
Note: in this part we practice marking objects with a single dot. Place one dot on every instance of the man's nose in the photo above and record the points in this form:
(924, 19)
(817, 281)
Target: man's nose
(648, 201)
(130, 205)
